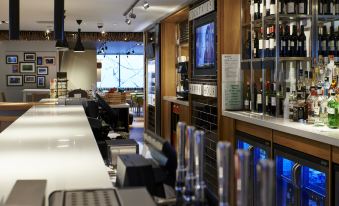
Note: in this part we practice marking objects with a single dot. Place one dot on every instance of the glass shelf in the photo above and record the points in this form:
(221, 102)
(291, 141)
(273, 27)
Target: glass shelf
(328, 18)
(266, 59)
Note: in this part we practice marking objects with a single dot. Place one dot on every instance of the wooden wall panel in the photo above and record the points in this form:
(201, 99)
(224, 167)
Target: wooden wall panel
(307, 146)
(184, 114)
(166, 119)
(335, 154)
(261, 132)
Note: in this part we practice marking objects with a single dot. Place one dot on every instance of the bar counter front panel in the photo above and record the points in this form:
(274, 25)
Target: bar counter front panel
(53, 143)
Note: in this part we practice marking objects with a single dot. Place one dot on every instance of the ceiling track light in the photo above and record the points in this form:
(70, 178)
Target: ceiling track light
(132, 15)
(146, 5)
(128, 21)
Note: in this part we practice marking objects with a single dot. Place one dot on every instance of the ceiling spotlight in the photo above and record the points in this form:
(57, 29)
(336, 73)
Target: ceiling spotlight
(103, 32)
(132, 15)
(146, 5)
(128, 21)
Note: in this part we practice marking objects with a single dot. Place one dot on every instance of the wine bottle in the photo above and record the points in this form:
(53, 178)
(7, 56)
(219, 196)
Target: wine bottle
(248, 46)
(337, 7)
(256, 46)
(259, 98)
(282, 43)
(267, 43)
(302, 7)
(302, 42)
(256, 9)
(320, 41)
(326, 9)
(273, 99)
(247, 98)
(337, 47)
(320, 7)
(268, 98)
(331, 41)
(290, 6)
(287, 41)
(261, 43)
(268, 7)
(332, 7)
(294, 42)
(324, 44)
(272, 41)
(261, 9)
(282, 6)
(272, 8)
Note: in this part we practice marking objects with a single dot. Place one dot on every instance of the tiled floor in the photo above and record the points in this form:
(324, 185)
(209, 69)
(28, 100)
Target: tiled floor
(136, 130)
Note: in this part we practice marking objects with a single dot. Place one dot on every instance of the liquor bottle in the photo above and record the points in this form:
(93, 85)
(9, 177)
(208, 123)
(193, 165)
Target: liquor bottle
(267, 98)
(320, 35)
(302, 7)
(317, 106)
(294, 42)
(267, 42)
(302, 43)
(256, 45)
(261, 43)
(272, 41)
(324, 44)
(331, 42)
(291, 7)
(282, 42)
(287, 41)
(320, 7)
(247, 99)
(311, 99)
(256, 10)
(292, 103)
(337, 7)
(259, 98)
(323, 108)
(273, 99)
(333, 113)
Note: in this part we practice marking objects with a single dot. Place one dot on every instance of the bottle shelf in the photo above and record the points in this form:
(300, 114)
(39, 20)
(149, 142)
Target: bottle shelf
(328, 18)
(282, 59)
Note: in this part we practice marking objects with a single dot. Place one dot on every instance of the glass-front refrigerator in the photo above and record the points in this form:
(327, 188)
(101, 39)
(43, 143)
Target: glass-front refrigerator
(301, 179)
(259, 150)
(335, 184)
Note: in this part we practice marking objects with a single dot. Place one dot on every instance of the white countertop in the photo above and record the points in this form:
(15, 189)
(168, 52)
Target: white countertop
(54, 143)
(320, 134)
(175, 100)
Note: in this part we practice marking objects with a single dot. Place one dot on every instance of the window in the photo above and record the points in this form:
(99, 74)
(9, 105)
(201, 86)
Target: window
(121, 71)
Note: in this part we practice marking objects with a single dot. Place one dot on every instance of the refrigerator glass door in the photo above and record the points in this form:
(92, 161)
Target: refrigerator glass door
(313, 187)
(285, 182)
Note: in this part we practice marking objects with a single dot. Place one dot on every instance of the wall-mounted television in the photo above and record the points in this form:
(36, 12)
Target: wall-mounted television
(204, 32)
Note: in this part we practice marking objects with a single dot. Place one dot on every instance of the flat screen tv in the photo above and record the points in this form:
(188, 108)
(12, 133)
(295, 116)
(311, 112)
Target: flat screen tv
(205, 46)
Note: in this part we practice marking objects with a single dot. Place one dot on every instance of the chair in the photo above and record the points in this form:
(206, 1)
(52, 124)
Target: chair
(82, 93)
(3, 97)
(140, 103)
(107, 114)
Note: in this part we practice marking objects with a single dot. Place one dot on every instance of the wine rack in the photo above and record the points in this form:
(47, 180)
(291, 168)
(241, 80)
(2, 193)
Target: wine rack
(284, 72)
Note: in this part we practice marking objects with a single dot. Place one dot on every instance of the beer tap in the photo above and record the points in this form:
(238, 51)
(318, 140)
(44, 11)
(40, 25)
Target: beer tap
(265, 173)
(180, 176)
(190, 171)
(242, 174)
(199, 138)
(224, 160)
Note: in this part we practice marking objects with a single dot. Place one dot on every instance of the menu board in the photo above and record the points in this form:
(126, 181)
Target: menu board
(231, 82)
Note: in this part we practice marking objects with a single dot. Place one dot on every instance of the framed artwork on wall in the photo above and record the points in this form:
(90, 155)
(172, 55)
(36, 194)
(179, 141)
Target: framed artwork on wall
(29, 79)
(15, 68)
(39, 61)
(41, 81)
(11, 59)
(27, 67)
(14, 80)
(49, 60)
(30, 57)
(42, 70)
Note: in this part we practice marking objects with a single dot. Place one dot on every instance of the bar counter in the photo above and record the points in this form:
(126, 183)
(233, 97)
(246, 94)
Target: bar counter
(53, 143)
(320, 134)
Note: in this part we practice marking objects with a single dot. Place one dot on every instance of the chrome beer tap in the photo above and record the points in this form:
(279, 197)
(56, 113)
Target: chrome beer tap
(180, 179)
(224, 164)
(265, 173)
(242, 174)
(190, 170)
(199, 138)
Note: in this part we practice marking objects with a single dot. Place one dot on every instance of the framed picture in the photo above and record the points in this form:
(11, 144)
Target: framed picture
(29, 79)
(49, 60)
(42, 70)
(14, 80)
(39, 61)
(15, 68)
(11, 59)
(41, 81)
(27, 67)
(29, 57)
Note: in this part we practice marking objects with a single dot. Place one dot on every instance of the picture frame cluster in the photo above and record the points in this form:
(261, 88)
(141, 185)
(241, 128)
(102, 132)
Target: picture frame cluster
(33, 69)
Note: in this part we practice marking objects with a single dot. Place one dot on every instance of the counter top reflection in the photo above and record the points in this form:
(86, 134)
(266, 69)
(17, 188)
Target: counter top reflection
(320, 134)
(53, 143)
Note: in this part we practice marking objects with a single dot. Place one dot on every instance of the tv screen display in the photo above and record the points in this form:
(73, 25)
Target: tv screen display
(205, 46)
